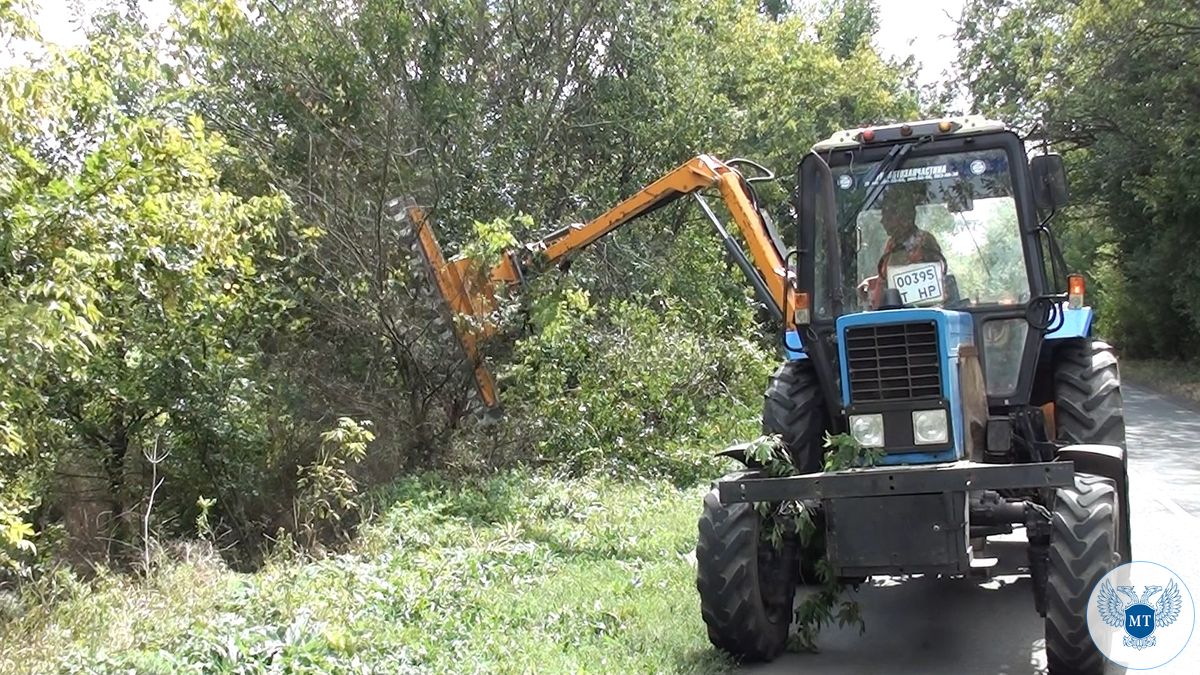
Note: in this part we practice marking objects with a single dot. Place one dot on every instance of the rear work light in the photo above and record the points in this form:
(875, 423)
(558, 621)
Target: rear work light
(1075, 289)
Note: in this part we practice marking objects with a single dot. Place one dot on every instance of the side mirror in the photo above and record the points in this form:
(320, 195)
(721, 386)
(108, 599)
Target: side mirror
(1049, 182)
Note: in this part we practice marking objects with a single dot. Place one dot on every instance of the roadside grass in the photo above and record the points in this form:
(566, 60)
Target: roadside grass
(518, 572)
(1180, 378)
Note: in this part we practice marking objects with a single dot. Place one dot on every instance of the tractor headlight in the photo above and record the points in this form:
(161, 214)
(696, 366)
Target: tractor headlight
(867, 430)
(929, 427)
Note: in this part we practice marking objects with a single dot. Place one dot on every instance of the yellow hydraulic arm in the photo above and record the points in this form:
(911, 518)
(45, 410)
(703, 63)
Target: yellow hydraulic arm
(470, 291)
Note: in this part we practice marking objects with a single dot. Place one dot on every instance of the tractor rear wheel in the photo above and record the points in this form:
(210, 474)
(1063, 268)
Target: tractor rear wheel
(794, 408)
(746, 585)
(1088, 409)
(1083, 542)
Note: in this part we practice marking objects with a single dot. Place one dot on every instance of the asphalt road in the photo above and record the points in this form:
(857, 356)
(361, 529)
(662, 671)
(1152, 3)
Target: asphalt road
(928, 627)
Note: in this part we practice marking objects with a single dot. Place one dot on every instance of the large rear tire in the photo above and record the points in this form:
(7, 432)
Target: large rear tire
(1083, 541)
(1089, 409)
(746, 585)
(794, 408)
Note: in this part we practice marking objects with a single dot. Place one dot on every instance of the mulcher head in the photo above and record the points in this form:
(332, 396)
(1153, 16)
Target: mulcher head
(460, 299)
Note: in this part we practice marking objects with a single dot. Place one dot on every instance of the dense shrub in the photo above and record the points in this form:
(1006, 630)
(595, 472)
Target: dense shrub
(134, 295)
(631, 390)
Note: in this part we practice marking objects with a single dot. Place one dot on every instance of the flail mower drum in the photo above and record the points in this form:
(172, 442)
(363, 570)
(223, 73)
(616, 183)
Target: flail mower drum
(457, 302)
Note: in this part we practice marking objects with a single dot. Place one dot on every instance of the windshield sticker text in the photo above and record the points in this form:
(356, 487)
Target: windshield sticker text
(917, 173)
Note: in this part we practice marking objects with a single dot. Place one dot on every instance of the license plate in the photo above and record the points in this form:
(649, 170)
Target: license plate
(919, 284)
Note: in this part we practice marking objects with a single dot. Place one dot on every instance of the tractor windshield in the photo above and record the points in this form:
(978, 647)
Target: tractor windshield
(942, 232)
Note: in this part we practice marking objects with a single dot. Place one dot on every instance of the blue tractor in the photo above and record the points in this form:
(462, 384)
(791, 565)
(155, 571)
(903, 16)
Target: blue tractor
(927, 313)
(935, 321)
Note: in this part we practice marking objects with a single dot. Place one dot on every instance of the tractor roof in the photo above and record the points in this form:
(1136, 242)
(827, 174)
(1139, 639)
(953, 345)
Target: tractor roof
(891, 133)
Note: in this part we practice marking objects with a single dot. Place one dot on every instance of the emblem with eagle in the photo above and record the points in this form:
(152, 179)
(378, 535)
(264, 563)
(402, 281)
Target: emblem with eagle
(1136, 614)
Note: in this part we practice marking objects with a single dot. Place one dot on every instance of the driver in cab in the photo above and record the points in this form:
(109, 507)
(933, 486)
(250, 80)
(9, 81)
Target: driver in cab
(906, 245)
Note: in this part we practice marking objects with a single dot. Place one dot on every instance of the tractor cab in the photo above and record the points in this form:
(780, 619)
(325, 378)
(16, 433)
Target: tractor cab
(942, 227)
(924, 252)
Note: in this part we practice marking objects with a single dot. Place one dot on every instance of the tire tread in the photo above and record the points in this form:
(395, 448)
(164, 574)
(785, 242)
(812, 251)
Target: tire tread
(732, 585)
(1083, 541)
(794, 408)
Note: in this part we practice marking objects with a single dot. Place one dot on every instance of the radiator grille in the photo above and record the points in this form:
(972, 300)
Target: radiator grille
(893, 362)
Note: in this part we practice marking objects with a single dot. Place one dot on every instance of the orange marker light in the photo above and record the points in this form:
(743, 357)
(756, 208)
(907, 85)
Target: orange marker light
(1075, 289)
(803, 314)
(868, 135)
(945, 126)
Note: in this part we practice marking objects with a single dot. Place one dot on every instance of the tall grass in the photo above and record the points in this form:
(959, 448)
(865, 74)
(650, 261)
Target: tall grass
(519, 572)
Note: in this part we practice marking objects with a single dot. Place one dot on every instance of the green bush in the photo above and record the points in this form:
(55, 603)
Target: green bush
(134, 291)
(629, 390)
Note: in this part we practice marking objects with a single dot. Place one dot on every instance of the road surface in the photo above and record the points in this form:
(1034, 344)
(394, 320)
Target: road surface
(931, 627)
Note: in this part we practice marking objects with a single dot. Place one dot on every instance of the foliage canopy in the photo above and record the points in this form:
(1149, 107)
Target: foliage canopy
(1113, 84)
(196, 256)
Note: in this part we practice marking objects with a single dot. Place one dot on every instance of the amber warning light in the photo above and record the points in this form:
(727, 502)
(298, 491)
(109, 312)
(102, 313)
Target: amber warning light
(803, 314)
(1075, 288)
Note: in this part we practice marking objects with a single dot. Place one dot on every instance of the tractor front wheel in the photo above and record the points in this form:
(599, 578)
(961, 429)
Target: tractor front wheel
(746, 585)
(1083, 548)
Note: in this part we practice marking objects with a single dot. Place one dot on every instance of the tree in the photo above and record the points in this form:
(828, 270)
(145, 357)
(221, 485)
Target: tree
(133, 291)
(485, 110)
(201, 258)
(1112, 85)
